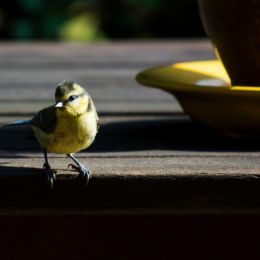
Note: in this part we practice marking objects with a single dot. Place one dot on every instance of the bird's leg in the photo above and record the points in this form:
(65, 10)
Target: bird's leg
(79, 167)
(49, 172)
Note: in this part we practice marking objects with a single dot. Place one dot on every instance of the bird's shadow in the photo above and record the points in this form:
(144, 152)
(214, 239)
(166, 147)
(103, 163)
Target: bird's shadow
(15, 178)
(7, 170)
(32, 180)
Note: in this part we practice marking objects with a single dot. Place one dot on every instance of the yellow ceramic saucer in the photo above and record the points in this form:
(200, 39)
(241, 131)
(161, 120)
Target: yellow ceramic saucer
(204, 91)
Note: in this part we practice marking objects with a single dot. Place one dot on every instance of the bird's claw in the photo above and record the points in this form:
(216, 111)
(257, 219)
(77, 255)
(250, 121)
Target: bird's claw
(84, 173)
(50, 174)
(73, 167)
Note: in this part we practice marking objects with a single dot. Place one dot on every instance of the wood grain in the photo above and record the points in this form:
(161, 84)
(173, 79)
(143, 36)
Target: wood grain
(148, 156)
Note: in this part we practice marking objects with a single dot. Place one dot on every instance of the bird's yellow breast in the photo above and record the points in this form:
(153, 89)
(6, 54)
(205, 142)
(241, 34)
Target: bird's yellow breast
(71, 134)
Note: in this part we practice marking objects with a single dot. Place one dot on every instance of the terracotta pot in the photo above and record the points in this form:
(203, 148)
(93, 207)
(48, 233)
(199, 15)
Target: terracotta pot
(234, 28)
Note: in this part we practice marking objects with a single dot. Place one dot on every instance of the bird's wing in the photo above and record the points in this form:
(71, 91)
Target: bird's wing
(96, 116)
(97, 121)
(91, 107)
(46, 119)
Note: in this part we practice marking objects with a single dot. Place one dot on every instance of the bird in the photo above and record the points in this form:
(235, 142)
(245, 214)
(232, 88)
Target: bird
(67, 127)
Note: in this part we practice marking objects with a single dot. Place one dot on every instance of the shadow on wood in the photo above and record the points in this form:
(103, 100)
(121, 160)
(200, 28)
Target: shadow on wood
(28, 193)
(138, 135)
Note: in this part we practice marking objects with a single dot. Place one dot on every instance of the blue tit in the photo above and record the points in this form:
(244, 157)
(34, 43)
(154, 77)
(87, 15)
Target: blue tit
(67, 127)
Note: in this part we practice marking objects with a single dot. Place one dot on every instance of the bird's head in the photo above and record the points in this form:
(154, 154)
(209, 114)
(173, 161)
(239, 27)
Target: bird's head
(71, 99)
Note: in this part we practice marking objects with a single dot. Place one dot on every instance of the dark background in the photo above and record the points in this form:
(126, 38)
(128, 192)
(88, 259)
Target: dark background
(94, 20)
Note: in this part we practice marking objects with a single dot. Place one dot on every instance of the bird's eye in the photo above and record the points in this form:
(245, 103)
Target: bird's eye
(73, 97)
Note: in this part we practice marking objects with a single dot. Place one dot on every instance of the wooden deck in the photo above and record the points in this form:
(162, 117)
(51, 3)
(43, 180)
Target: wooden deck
(149, 157)
(163, 187)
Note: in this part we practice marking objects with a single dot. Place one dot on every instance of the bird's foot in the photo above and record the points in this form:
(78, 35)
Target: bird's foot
(84, 173)
(50, 174)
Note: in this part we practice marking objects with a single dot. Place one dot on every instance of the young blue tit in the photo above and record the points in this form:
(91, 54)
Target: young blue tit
(67, 127)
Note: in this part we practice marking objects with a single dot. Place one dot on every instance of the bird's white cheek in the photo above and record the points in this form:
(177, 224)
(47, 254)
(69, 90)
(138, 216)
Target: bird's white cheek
(75, 102)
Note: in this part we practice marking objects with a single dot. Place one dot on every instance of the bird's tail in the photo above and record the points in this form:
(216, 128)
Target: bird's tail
(19, 123)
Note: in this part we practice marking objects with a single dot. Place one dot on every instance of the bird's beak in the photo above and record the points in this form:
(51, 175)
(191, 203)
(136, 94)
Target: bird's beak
(59, 105)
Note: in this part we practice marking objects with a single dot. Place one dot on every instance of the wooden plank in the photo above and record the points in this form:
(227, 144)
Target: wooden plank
(120, 53)
(166, 135)
(141, 165)
(117, 189)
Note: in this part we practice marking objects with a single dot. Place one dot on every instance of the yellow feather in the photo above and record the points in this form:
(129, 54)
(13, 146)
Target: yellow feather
(76, 126)
(69, 136)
